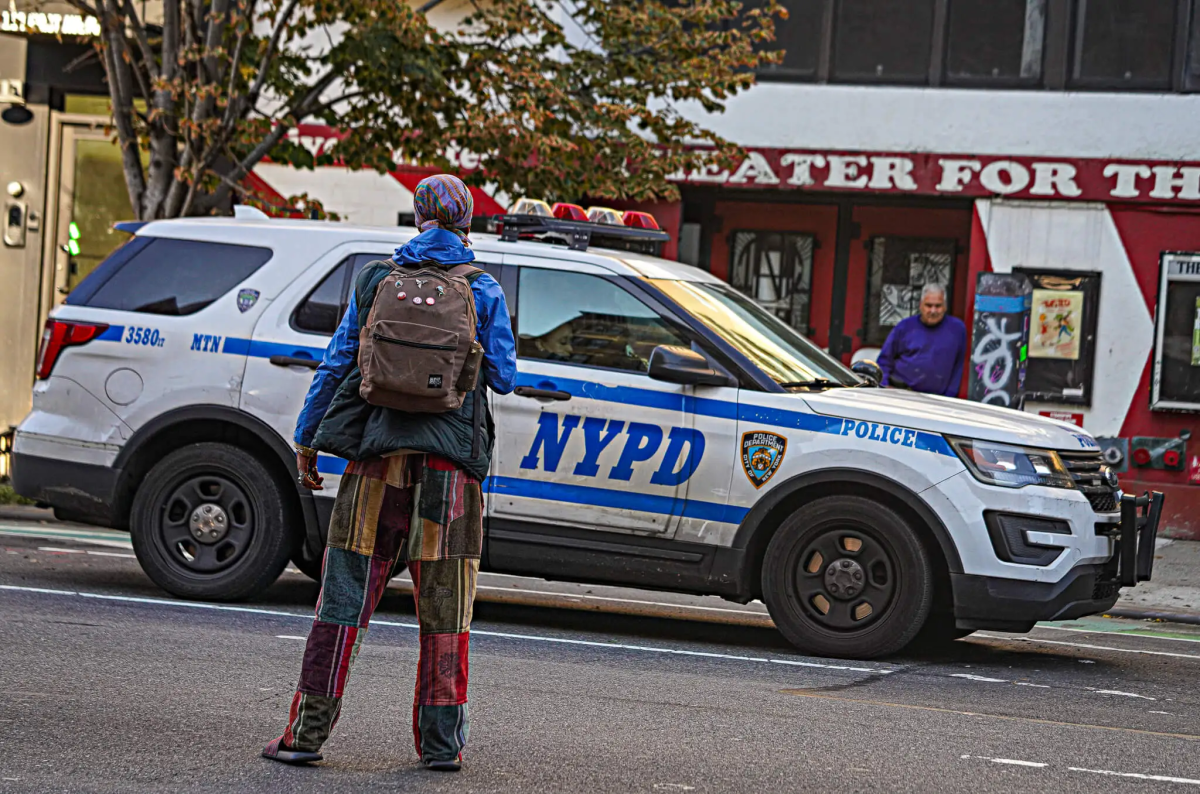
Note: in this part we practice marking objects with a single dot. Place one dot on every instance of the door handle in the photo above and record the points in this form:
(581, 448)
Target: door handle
(541, 394)
(293, 361)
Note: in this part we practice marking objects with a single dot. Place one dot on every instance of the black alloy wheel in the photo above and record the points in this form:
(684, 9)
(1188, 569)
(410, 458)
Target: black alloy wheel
(208, 521)
(846, 576)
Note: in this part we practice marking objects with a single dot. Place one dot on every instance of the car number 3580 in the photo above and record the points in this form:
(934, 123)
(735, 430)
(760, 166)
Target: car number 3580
(144, 336)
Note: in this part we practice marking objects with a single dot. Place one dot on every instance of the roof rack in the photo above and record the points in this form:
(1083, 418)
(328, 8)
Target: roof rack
(578, 235)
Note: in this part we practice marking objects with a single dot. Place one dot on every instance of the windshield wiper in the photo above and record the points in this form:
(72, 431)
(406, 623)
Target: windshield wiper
(812, 383)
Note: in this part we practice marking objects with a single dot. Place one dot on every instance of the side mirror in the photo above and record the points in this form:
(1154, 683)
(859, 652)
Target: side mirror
(675, 364)
(868, 369)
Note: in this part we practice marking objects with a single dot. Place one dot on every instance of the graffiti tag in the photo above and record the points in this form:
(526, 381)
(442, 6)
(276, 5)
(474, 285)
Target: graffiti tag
(994, 359)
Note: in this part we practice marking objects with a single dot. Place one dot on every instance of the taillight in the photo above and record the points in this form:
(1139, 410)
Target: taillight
(59, 335)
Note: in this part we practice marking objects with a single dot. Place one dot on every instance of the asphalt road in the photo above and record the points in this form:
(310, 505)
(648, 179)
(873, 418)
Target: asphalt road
(107, 685)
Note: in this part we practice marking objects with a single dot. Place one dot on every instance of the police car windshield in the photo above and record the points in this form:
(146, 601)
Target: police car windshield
(776, 348)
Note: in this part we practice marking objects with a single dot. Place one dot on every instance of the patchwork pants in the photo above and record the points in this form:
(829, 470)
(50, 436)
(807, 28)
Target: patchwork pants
(426, 505)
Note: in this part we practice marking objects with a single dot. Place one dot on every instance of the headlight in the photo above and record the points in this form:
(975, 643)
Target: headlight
(1012, 467)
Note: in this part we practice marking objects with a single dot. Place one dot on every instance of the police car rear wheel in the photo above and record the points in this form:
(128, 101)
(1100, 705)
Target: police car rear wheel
(847, 576)
(208, 522)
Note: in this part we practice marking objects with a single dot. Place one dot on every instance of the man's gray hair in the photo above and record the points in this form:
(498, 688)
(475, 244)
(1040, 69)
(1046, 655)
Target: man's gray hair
(932, 288)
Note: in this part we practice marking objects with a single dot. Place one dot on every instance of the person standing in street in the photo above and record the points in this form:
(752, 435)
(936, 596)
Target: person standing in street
(412, 488)
(925, 352)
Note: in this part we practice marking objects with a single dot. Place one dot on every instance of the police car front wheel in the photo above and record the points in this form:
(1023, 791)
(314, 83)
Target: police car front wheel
(208, 521)
(847, 576)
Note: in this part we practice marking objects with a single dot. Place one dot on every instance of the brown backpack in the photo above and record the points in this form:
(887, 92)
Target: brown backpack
(417, 351)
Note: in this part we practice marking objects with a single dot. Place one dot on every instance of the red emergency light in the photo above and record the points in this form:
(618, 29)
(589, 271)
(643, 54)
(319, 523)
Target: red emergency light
(569, 212)
(640, 220)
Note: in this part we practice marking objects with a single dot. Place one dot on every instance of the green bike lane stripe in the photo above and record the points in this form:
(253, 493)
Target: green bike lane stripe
(1122, 628)
(109, 536)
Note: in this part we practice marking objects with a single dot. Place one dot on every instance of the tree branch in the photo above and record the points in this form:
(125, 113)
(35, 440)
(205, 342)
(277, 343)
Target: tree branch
(264, 65)
(121, 94)
(139, 31)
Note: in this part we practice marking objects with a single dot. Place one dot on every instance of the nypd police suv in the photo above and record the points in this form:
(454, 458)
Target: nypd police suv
(666, 432)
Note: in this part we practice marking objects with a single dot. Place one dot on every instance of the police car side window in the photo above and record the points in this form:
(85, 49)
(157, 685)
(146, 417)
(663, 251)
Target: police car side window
(583, 319)
(176, 277)
(322, 310)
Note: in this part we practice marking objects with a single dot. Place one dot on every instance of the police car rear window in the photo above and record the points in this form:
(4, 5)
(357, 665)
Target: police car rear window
(168, 276)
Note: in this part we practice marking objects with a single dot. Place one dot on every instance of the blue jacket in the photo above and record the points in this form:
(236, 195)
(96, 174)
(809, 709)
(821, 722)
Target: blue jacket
(925, 359)
(494, 331)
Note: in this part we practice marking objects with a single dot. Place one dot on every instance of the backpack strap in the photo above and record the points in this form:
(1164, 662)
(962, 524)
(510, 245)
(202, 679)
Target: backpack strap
(469, 272)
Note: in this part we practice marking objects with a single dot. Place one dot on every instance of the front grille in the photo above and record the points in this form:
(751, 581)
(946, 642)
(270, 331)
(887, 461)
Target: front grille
(1087, 469)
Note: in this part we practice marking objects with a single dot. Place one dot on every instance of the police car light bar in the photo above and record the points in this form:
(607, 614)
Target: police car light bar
(578, 235)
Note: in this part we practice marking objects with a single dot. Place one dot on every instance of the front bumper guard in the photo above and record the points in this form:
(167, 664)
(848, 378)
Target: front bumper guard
(1135, 536)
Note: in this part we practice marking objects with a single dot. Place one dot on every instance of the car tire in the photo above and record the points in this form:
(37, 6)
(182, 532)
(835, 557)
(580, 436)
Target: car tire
(847, 577)
(209, 522)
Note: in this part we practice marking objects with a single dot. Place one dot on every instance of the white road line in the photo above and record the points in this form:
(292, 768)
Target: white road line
(970, 677)
(1122, 694)
(60, 551)
(1160, 778)
(1169, 714)
(290, 637)
(1026, 683)
(475, 632)
(1129, 633)
(1090, 647)
(1009, 761)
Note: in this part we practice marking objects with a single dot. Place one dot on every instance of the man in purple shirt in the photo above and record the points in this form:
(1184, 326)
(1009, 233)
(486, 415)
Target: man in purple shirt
(925, 352)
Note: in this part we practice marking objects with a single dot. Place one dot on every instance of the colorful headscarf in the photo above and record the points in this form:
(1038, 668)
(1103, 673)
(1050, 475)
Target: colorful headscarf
(443, 202)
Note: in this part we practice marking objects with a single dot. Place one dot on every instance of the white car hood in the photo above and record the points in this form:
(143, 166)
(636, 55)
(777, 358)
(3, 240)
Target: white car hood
(952, 417)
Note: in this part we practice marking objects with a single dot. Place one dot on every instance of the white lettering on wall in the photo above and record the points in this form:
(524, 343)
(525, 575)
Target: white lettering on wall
(956, 174)
(710, 173)
(1004, 177)
(1055, 179)
(843, 171)
(1127, 177)
(891, 172)
(755, 167)
(14, 21)
(1168, 177)
(802, 167)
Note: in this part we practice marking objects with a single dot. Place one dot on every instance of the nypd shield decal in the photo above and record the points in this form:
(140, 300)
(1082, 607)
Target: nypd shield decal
(762, 454)
(246, 299)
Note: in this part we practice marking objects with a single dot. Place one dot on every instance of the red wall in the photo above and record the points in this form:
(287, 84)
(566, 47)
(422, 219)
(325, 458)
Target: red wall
(1146, 233)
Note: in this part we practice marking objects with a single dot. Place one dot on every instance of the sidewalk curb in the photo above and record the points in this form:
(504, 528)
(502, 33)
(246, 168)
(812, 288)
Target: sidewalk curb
(1192, 618)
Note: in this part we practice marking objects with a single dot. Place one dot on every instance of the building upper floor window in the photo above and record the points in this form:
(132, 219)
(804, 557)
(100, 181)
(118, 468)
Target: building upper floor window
(1106, 45)
(799, 36)
(883, 42)
(995, 41)
(1124, 43)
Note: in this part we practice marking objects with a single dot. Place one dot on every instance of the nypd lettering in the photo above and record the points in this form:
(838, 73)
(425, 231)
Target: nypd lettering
(762, 454)
(639, 443)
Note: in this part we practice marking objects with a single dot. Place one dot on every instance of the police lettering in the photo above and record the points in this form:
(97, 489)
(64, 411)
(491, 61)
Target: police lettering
(685, 448)
(872, 431)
